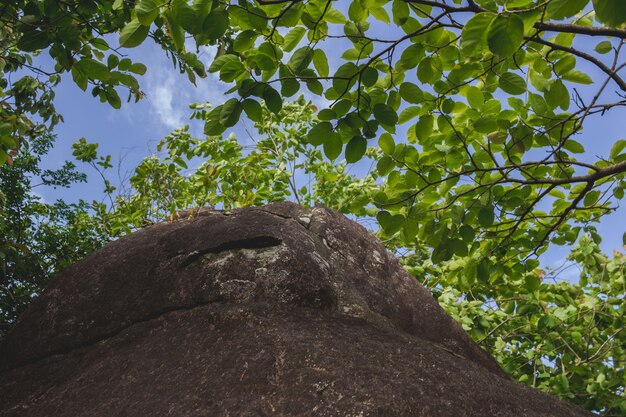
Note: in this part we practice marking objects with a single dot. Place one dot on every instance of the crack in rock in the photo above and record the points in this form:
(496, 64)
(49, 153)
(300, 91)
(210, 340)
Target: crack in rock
(257, 242)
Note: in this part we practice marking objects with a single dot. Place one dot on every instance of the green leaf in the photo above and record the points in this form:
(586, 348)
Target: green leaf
(186, 17)
(408, 114)
(176, 31)
(253, 110)
(138, 68)
(80, 78)
(113, 98)
(591, 198)
(474, 34)
(100, 44)
(320, 62)
(470, 273)
(458, 247)
(411, 56)
(93, 69)
(369, 76)
(230, 112)
(380, 14)
(315, 87)
(442, 252)
(573, 146)
(604, 47)
(244, 41)
(112, 61)
(133, 34)
(485, 124)
(125, 79)
(617, 148)
(497, 137)
(212, 125)
(387, 143)
(390, 223)
(290, 15)
(289, 87)
(300, 60)
(273, 101)
(424, 127)
(610, 12)
(264, 62)
(505, 34)
(400, 12)
(560, 9)
(411, 93)
(220, 61)
(319, 132)
(327, 114)
(532, 283)
(475, 97)
(557, 95)
(292, 38)
(335, 16)
(231, 70)
(344, 78)
(215, 25)
(485, 217)
(579, 77)
(333, 146)
(512, 83)
(384, 165)
(355, 149)
(385, 114)
(33, 40)
(426, 71)
(202, 7)
(147, 10)
(6, 129)
(467, 233)
(356, 13)
(565, 64)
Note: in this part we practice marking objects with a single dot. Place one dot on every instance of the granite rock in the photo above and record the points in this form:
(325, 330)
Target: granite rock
(264, 311)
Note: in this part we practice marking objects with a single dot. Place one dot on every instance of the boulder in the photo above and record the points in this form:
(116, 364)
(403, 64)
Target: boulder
(264, 311)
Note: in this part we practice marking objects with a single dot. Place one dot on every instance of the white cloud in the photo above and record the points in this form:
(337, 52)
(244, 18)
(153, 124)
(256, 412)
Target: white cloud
(170, 93)
(168, 110)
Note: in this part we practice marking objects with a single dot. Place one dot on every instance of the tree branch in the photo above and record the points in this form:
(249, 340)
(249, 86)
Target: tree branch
(618, 80)
(582, 30)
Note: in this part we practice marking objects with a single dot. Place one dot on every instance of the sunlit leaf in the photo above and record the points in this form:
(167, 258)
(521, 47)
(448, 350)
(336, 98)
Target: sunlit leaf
(505, 34)
(133, 34)
(355, 149)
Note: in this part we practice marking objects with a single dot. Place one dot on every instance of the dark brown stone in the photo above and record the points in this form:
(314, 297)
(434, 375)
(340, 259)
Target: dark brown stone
(264, 311)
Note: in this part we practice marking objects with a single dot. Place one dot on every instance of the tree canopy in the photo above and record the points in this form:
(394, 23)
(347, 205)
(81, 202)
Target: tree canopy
(459, 126)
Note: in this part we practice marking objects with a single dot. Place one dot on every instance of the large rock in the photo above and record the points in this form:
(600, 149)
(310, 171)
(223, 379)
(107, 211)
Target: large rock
(263, 311)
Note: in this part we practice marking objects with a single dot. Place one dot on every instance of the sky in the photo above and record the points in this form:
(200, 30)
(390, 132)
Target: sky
(130, 134)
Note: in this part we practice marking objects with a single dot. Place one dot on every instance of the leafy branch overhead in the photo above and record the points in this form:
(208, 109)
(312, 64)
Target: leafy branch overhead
(486, 89)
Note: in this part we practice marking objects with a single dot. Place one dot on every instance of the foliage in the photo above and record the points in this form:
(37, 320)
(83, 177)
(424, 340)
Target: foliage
(275, 167)
(508, 172)
(480, 105)
(473, 113)
(563, 336)
(38, 239)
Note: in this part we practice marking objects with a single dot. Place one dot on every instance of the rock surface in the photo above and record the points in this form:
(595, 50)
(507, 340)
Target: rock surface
(267, 311)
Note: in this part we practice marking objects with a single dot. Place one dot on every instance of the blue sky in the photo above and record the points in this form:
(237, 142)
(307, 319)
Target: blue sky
(132, 133)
